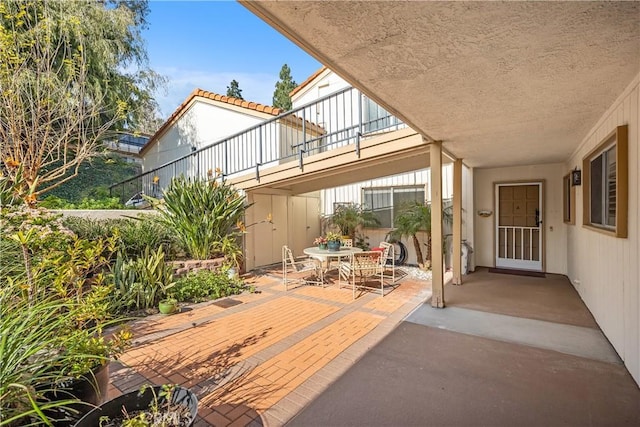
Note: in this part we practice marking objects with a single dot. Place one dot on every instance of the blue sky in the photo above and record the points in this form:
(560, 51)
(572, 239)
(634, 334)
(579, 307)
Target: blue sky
(207, 44)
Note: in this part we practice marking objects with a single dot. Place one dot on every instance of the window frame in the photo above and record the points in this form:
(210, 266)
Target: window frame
(618, 138)
(568, 200)
(391, 189)
(379, 120)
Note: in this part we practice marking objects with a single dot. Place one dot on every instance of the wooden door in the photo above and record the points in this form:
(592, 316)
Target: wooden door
(313, 220)
(269, 237)
(305, 222)
(518, 226)
(279, 237)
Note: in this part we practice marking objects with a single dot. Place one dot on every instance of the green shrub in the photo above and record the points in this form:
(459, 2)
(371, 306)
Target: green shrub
(54, 305)
(202, 213)
(31, 333)
(54, 202)
(136, 235)
(142, 282)
(205, 284)
(133, 235)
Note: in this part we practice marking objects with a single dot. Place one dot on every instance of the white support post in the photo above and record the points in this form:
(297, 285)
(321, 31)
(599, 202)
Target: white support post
(457, 222)
(437, 268)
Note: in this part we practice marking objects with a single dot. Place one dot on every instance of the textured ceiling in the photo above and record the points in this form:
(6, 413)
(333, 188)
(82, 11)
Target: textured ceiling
(499, 83)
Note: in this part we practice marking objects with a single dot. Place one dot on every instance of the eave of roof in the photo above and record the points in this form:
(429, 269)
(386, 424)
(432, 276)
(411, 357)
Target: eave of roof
(307, 81)
(200, 93)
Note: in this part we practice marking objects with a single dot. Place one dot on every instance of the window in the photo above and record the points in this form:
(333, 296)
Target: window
(387, 202)
(377, 118)
(569, 200)
(605, 185)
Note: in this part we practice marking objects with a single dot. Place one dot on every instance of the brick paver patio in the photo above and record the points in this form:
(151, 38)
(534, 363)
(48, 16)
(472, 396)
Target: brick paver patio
(267, 354)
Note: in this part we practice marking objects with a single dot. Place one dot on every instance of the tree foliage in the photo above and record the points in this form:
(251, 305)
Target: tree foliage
(233, 90)
(284, 86)
(63, 87)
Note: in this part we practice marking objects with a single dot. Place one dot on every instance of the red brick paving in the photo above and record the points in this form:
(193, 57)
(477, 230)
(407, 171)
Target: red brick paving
(259, 362)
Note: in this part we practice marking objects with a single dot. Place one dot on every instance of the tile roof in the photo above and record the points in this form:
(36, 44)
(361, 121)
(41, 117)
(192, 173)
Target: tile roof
(267, 109)
(306, 82)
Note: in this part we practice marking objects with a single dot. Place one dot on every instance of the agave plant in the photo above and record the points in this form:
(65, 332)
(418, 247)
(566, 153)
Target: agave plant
(201, 212)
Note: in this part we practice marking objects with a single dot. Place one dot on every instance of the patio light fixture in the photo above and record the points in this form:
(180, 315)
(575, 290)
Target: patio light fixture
(576, 177)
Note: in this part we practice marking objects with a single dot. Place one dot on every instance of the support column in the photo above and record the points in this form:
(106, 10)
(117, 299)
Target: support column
(248, 239)
(437, 273)
(457, 222)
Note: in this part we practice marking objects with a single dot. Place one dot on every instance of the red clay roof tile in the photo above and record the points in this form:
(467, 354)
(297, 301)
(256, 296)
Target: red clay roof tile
(306, 82)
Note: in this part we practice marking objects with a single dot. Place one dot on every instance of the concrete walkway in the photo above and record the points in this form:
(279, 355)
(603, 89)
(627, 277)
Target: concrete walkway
(259, 359)
(465, 366)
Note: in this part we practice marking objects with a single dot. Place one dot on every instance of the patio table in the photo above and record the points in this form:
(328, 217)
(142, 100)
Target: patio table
(324, 254)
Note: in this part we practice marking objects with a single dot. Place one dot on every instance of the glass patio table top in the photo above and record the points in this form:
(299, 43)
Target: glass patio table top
(324, 254)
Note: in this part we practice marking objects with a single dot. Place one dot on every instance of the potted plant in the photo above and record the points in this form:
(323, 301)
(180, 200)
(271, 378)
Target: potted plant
(168, 305)
(54, 369)
(334, 241)
(166, 405)
(321, 242)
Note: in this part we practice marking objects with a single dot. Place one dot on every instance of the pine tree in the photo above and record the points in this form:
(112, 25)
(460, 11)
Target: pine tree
(284, 86)
(233, 90)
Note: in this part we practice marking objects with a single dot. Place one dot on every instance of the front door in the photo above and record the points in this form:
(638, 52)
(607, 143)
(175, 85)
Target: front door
(518, 226)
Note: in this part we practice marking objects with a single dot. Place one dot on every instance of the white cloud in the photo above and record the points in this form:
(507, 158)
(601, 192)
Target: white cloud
(256, 87)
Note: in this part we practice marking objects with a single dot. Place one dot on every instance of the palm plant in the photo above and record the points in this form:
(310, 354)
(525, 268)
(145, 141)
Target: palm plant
(201, 212)
(349, 217)
(414, 218)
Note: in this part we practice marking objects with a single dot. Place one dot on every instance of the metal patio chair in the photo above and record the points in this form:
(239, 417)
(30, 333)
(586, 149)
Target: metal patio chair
(300, 270)
(363, 267)
(388, 254)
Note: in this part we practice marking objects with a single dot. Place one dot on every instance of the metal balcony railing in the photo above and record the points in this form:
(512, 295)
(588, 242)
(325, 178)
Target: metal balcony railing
(340, 119)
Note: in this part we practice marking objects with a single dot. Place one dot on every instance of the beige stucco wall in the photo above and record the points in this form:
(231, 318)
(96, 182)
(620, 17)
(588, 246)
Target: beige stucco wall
(324, 84)
(554, 228)
(605, 270)
(204, 123)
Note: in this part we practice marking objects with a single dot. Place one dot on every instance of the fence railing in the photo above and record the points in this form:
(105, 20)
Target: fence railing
(343, 118)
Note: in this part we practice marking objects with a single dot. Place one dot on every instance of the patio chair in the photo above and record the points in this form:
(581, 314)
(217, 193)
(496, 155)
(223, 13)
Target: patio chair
(347, 243)
(363, 266)
(300, 270)
(388, 254)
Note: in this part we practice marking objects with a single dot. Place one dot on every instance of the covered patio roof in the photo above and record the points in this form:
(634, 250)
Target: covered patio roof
(499, 83)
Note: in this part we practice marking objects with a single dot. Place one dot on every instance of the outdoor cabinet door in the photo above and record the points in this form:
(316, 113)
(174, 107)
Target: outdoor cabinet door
(269, 237)
(305, 222)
